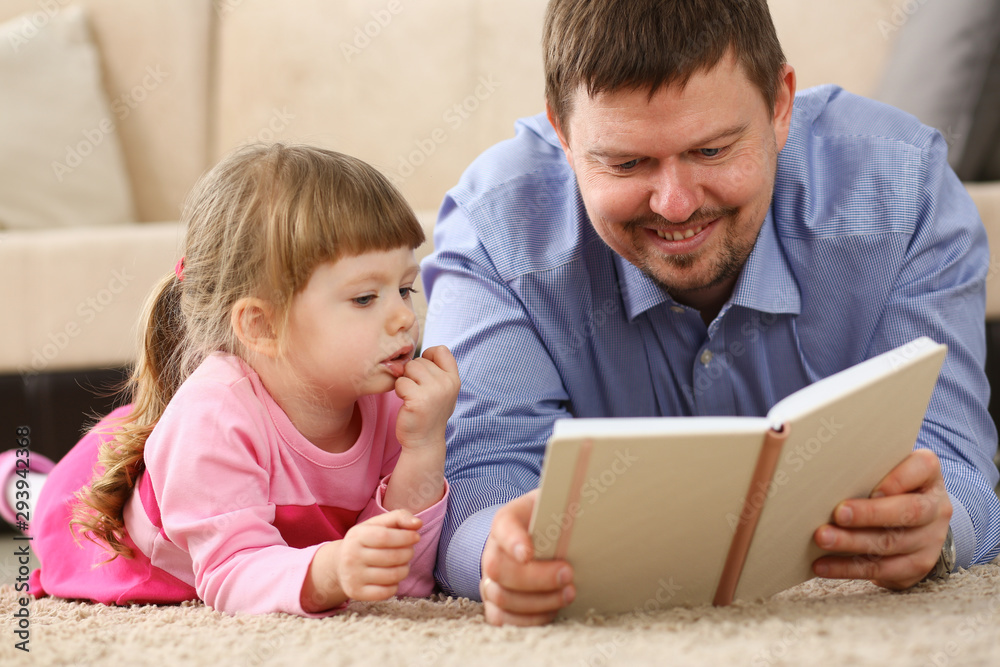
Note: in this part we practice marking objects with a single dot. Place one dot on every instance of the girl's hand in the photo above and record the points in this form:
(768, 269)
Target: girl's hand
(368, 564)
(429, 388)
(375, 555)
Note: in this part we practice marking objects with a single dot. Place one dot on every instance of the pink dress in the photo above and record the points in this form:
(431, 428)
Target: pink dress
(232, 505)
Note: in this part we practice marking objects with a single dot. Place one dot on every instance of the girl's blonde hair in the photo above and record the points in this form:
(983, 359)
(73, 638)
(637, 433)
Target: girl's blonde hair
(258, 224)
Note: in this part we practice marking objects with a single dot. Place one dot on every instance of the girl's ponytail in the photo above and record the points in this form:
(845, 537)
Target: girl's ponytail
(155, 379)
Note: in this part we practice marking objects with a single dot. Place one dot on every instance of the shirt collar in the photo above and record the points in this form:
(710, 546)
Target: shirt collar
(766, 283)
(639, 292)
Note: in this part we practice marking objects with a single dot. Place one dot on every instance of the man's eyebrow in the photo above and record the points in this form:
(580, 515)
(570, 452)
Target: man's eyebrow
(727, 132)
(612, 154)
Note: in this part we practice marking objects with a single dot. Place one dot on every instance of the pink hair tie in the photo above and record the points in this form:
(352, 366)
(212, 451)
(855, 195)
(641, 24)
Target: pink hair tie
(179, 270)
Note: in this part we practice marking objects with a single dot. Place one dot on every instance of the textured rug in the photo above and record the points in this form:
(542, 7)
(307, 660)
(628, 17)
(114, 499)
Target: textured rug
(822, 622)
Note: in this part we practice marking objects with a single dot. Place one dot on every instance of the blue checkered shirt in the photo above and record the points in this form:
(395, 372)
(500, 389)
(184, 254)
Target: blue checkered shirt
(870, 241)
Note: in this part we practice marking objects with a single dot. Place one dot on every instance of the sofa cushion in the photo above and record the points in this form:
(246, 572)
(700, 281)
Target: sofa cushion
(75, 295)
(61, 161)
(987, 199)
(940, 71)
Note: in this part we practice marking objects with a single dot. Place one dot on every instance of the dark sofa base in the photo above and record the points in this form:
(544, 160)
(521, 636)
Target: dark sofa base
(57, 407)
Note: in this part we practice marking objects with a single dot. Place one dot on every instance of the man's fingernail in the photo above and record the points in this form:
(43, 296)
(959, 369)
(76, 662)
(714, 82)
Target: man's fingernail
(821, 570)
(569, 594)
(878, 494)
(564, 576)
(520, 553)
(825, 539)
(844, 515)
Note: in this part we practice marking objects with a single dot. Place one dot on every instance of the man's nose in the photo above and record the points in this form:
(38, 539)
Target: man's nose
(675, 192)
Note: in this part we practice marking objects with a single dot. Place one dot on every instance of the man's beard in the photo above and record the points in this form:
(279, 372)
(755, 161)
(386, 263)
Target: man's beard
(726, 266)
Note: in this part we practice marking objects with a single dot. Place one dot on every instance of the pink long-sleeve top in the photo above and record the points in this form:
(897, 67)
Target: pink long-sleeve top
(234, 501)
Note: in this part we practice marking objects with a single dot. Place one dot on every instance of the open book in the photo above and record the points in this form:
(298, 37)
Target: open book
(664, 511)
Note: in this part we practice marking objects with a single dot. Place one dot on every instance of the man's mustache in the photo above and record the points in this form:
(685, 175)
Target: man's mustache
(700, 216)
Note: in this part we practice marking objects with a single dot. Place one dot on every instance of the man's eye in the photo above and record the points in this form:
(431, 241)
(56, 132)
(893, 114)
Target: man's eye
(710, 152)
(364, 300)
(625, 166)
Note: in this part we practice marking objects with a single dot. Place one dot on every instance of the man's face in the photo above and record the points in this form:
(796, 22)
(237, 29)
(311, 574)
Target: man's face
(679, 184)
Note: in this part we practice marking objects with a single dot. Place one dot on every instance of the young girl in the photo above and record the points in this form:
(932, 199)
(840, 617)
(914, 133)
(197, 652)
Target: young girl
(284, 449)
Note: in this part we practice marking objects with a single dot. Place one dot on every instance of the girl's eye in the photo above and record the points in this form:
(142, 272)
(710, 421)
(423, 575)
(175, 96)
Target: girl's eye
(406, 292)
(364, 300)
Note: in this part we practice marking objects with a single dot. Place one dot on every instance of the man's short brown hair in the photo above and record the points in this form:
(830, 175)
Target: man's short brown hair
(612, 45)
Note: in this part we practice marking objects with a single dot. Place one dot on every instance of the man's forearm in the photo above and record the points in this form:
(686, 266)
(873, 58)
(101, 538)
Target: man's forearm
(460, 555)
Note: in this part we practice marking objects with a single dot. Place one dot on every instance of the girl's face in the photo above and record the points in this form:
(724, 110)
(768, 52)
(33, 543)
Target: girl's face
(352, 329)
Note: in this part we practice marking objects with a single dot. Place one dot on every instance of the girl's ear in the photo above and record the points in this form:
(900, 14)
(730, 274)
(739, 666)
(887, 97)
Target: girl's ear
(252, 320)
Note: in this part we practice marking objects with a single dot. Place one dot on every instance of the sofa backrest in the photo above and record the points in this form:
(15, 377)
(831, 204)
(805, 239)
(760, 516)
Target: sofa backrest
(416, 88)
(846, 42)
(420, 89)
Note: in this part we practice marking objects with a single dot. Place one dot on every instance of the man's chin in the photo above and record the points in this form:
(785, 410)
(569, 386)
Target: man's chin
(680, 275)
(690, 283)
(697, 275)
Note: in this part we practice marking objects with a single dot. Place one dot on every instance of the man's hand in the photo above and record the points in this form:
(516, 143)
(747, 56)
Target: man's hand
(893, 538)
(516, 589)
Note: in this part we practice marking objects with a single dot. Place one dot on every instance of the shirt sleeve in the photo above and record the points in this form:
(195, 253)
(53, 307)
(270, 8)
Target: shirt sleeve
(940, 292)
(419, 582)
(241, 562)
(511, 394)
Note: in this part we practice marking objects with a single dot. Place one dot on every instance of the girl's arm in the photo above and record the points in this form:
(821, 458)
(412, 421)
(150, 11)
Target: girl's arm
(209, 463)
(429, 387)
(380, 556)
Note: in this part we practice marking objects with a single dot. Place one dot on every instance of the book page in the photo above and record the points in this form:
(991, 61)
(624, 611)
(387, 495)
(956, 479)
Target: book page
(656, 426)
(832, 388)
(841, 442)
(652, 523)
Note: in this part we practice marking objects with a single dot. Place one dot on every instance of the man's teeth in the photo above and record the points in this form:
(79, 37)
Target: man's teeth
(678, 236)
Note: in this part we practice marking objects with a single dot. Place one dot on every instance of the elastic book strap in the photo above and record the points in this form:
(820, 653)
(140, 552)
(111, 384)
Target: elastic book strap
(575, 489)
(767, 461)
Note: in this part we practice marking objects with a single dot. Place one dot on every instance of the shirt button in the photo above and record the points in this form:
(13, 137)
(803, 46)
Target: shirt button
(706, 357)
(677, 309)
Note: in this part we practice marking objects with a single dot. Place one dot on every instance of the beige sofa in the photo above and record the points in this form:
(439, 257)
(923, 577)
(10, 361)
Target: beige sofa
(416, 88)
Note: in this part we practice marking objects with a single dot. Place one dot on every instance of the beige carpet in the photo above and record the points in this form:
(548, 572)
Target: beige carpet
(819, 623)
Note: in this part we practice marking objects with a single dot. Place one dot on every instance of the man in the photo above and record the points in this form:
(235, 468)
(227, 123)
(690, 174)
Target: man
(681, 234)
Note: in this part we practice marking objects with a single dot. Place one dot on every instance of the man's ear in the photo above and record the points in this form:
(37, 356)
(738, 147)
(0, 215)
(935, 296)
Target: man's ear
(563, 136)
(784, 100)
(252, 320)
